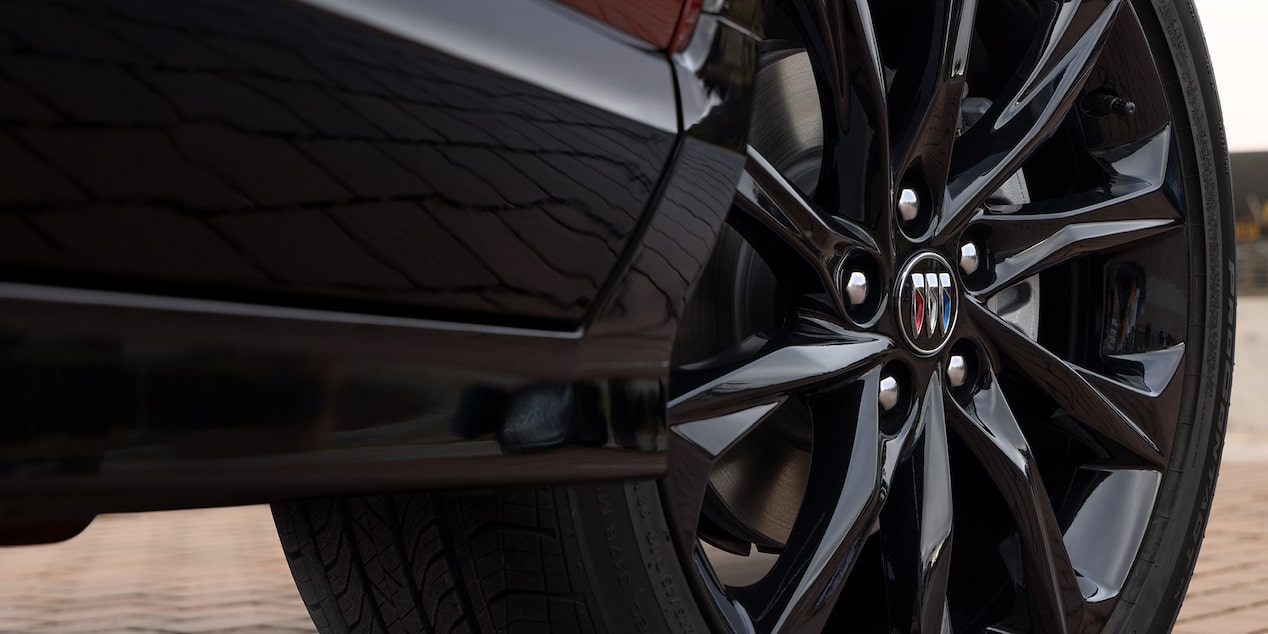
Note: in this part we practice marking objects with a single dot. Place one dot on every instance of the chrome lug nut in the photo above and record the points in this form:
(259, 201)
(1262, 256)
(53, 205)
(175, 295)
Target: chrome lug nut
(889, 393)
(969, 258)
(908, 204)
(957, 370)
(856, 288)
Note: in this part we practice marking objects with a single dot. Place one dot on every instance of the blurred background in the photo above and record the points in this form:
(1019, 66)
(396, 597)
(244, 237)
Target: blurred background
(1238, 52)
(222, 570)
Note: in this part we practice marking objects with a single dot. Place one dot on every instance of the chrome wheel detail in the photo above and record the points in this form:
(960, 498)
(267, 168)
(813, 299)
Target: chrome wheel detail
(856, 288)
(906, 378)
(889, 393)
(928, 302)
(957, 370)
(968, 258)
(908, 204)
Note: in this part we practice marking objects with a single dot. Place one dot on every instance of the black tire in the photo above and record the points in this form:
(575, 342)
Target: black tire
(602, 557)
(581, 558)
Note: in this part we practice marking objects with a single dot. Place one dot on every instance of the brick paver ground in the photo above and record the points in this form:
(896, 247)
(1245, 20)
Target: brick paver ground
(1229, 591)
(222, 570)
(217, 570)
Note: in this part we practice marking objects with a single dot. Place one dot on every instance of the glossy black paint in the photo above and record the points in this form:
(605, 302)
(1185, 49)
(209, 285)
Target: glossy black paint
(391, 269)
(270, 152)
(98, 424)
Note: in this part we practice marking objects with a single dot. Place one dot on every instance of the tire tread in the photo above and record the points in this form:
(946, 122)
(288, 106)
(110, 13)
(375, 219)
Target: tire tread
(454, 562)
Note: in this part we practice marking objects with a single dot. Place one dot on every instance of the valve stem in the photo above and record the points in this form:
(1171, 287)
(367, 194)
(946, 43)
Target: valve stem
(1103, 103)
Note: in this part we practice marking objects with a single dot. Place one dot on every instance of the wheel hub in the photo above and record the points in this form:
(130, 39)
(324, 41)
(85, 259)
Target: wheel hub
(927, 302)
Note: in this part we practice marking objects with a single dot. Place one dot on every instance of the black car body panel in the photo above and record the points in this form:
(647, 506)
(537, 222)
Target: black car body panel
(269, 152)
(259, 250)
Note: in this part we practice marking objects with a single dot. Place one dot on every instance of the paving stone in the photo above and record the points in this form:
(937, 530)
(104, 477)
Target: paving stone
(1229, 591)
(218, 570)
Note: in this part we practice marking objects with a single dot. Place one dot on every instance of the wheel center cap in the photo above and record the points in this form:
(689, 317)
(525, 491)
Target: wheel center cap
(928, 302)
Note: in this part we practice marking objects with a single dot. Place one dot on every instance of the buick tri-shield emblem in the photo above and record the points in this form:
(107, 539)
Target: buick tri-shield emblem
(928, 302)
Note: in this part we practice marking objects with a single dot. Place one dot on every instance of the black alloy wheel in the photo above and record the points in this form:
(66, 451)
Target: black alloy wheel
(941, 369)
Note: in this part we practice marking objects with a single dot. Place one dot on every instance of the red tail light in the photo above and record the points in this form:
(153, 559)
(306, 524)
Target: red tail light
(665, 24)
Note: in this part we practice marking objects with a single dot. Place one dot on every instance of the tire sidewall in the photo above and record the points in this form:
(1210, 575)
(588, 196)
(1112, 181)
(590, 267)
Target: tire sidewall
(1155, 588)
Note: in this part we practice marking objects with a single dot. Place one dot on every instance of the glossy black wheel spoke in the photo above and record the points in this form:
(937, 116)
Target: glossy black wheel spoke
(926, 135)
(1146, 387)
(916, 526)
(842, 36)
(696, 446)
(717, 434)
(996, 145)
(818, 238)
(1028, 243)
(1049, 583)
(811, 353)
(1029, 238)
(843, 499)
(855, 178)
(1072, 389)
